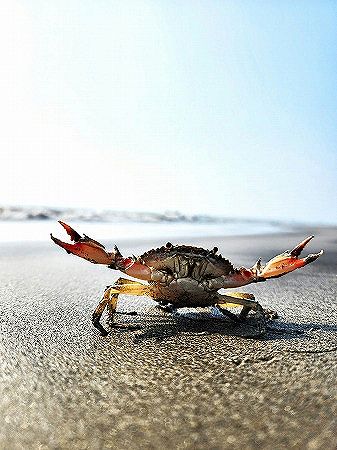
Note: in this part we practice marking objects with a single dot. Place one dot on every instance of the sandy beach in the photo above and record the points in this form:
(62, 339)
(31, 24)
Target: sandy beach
(191, 380)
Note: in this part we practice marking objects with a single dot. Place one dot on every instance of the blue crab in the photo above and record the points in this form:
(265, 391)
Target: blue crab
(182, 276)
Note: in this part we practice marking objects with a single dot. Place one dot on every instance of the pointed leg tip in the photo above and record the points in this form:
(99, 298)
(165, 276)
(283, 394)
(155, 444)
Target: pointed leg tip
(54, 239)
(74, 236)
(317, 255)
(64, 245)
(308, 239)
(313, 257)
(65, 225)
(296, 251)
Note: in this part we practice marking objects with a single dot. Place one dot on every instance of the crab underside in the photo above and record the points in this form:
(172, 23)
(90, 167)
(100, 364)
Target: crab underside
(183, 276)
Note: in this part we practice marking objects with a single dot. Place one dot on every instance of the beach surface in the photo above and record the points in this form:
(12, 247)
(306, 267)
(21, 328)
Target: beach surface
(188, 380)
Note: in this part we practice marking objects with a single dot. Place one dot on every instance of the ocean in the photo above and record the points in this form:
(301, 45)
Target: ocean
(36, 223)
(39, 230)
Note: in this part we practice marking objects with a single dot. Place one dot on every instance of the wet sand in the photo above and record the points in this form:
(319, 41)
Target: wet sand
(191, 380)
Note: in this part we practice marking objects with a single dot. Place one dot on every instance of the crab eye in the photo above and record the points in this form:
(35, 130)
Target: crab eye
(169, 245)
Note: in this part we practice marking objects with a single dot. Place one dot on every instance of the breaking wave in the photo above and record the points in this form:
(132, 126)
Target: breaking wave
(17, 213)
(35, 224)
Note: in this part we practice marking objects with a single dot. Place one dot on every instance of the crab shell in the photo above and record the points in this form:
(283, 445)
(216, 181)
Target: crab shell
(183, 261)
(185, 275)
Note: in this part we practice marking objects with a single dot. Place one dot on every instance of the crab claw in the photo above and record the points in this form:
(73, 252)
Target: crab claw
(86, 248)
(286, 262)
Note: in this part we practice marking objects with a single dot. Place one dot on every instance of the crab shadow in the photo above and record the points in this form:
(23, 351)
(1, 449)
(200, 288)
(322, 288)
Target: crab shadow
(165, 325)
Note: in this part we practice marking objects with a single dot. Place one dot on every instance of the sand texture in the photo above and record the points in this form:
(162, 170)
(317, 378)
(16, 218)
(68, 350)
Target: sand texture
(191, 380)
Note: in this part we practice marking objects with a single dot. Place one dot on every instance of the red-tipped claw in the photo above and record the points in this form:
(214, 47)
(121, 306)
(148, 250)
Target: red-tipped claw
(74, 236)
(85, 247)
(287, 262)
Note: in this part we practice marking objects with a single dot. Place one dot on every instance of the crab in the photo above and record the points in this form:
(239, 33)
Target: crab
(181, 276)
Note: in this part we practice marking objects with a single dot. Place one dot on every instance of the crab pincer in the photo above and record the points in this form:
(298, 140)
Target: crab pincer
(288, 261)
(84, 247)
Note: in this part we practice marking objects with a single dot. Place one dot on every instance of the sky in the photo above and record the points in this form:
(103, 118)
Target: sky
(226, 108)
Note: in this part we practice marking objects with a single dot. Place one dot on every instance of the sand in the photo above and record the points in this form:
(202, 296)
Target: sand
(191, 380)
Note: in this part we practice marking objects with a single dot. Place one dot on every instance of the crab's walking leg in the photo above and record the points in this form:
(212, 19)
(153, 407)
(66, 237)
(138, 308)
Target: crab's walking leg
(110, 298)
(234, 299)
(245, 310)
(222, 308)
(99, 311)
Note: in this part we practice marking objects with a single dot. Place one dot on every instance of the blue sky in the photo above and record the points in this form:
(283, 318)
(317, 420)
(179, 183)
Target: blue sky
(217, 107)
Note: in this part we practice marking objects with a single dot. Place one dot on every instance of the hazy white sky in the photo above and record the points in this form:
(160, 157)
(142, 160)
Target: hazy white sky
(219, 107)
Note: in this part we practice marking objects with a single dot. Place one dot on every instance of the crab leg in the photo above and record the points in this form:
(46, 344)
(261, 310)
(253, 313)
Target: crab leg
(240, 299)
(234, 299)
(97, 314)
(285, 262)
(110, 298)
(235, 295)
